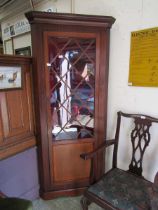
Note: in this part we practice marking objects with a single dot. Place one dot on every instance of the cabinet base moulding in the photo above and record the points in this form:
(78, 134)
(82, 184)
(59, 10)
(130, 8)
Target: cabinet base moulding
(19, 147)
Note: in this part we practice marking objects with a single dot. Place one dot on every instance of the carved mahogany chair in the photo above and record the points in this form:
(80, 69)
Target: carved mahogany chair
(120, 189)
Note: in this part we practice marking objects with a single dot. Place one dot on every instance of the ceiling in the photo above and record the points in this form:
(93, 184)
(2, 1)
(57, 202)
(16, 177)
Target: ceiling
(9, 8)
(4, 3)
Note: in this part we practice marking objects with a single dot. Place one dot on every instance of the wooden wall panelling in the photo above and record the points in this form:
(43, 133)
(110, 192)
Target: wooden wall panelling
(16, 111)
(1, 127)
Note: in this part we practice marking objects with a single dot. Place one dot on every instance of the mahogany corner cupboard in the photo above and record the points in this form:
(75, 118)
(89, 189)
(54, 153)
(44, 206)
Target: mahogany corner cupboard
(70, 62)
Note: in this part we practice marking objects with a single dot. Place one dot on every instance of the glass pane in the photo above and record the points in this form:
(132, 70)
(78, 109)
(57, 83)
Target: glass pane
(72, 84)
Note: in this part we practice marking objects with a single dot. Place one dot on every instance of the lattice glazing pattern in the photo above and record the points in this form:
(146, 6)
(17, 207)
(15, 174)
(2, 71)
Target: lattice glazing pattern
(72, 84)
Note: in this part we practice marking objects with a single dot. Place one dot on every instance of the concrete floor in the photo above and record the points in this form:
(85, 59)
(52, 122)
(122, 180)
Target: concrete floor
(64, 203)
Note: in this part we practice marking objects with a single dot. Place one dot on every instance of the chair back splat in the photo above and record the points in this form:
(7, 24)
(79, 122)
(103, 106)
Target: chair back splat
(140, 138)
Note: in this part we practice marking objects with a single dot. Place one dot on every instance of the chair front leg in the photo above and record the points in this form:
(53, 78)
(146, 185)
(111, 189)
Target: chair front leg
(153, 193)
(85, 203)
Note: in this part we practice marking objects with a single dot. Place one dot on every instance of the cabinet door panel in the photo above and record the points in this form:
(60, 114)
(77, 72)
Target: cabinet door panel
(68, 166)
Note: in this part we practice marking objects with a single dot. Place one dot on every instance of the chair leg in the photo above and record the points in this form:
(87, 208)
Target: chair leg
(85, 203)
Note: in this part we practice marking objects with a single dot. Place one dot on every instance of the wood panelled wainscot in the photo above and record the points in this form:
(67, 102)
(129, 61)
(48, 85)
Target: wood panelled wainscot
(17, 131)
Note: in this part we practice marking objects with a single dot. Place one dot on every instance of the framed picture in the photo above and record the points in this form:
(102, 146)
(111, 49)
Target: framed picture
(23, 51)
(10, 77)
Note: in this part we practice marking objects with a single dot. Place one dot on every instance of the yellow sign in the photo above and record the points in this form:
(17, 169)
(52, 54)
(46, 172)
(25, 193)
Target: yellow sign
(144, 58)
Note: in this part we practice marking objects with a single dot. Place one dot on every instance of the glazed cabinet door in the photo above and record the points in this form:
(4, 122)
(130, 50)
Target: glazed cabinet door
(71, 75)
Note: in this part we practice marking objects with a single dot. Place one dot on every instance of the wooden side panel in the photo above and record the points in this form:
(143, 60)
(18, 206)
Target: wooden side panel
(4, 113)
(16, 112)
(15, 116)
(19, 120)
(1, 127)
(1, 131)
(68, 166)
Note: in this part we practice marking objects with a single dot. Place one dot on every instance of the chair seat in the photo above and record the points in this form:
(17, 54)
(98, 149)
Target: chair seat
(123, 190)
(15, 204)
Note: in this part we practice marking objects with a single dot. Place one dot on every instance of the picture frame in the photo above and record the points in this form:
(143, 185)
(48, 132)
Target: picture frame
(26, 51)
(10, 77)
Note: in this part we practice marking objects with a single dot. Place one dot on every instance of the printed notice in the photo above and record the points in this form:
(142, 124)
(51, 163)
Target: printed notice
(143, 70)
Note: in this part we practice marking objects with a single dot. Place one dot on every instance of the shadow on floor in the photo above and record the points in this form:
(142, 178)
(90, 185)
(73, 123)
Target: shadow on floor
(64, 203)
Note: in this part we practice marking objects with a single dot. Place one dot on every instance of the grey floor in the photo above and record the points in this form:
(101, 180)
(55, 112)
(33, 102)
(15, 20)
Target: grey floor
(65, 203)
